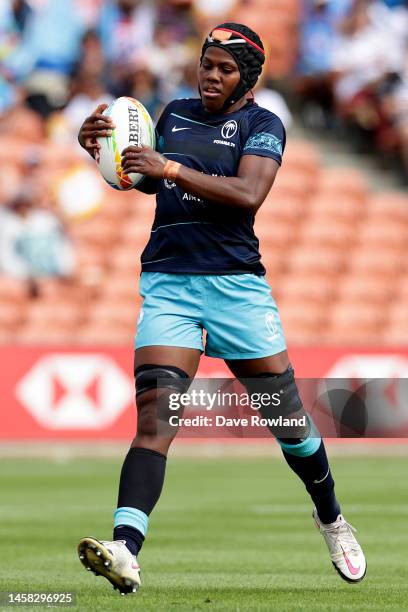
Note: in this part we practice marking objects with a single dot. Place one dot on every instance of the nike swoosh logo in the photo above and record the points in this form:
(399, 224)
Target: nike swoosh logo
(353, 570)
(176, 129)
(321, 480)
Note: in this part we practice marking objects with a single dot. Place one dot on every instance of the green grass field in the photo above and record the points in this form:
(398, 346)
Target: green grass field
(228, 534)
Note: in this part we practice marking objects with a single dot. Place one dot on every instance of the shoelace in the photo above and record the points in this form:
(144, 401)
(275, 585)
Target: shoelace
(344, 531)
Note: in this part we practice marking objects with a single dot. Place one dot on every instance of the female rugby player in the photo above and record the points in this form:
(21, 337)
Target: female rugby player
(201, 269)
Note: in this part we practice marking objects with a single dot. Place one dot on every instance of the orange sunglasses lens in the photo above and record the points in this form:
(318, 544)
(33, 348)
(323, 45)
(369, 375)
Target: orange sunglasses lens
(221, 35)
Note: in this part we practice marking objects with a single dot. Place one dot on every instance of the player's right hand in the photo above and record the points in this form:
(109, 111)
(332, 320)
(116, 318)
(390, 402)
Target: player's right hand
(93, 127)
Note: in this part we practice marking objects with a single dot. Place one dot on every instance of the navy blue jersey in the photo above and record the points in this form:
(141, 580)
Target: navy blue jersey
(190, 235)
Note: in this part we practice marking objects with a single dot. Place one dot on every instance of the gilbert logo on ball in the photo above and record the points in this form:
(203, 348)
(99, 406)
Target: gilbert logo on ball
(134, 126)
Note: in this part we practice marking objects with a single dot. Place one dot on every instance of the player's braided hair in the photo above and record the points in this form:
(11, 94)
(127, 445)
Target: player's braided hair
(249, 58)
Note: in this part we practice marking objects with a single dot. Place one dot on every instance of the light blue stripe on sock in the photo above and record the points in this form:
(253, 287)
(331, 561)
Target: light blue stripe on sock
(132, 517)
(307, 447)
(304, 449)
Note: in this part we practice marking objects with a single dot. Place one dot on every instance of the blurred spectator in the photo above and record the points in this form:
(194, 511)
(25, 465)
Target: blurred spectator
(317, 38)
(89, 91)
(395, 107)
(88, 88)
(10, 181)
(126, 28)
(91, 58)
(33, 242)
(394, 3)
(22, 124)
(58, 49)
(362, 57)
(211, 12)
(274, 102)
(188, 84)
(350, 73)
(142, 84)
(14, 16)
(9, 94)
(88, 11)
(366, 55)
(179, 16)
(46, 55)
(167, 59)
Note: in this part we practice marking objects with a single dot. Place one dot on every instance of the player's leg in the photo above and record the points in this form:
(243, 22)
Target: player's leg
(245, 330)
(171, 314)
(159, 371)
(305, 453)
(303, 450)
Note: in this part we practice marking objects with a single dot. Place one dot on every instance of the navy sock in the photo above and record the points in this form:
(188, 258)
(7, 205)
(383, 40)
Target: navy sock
(141, 483)
(315, 473)
(133, 537)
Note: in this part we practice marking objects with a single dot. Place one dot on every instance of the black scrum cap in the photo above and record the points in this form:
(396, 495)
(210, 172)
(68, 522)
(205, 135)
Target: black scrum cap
(246, 48)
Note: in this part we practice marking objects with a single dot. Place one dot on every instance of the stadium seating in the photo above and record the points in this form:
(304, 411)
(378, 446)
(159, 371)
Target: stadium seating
(122, 285)
(396, 328)
(346, 181)
(121, 312)
(302, 156)
(337, 206)
(363, 289)
(316, 258)
(335, 257)
(104, 334)
(371, 260)
(305, 289)
(277, 24)
(326, 232)
(390, 234)
(390, 205)
(12, 290)
(43, 333)
(11, 315)
(353, 322)
(302, 323)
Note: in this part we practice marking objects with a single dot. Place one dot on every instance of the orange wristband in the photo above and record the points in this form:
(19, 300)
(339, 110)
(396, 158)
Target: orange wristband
(171, 170)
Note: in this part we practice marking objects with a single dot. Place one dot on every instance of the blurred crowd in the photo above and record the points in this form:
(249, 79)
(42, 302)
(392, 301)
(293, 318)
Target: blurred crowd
(352, 74)
(337, 62)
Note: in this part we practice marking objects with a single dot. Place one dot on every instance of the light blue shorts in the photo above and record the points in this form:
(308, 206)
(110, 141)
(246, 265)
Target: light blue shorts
(237, 311)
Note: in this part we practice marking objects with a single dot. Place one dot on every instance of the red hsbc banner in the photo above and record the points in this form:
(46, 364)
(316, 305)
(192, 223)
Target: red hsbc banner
(76, 393)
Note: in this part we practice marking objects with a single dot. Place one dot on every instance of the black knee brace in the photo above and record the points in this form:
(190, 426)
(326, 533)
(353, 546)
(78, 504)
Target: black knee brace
(151, 376)
(295, 423)
(170, 380)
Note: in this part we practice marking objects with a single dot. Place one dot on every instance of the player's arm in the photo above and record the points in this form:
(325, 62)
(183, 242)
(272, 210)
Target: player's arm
(247, 190)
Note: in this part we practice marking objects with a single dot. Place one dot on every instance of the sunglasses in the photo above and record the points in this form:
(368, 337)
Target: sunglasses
(224, 37)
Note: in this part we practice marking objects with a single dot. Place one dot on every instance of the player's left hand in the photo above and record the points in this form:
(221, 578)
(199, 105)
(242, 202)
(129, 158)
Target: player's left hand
(143, 160)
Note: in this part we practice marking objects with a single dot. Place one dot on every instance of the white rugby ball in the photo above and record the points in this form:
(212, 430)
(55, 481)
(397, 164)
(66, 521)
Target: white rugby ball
(134, 126)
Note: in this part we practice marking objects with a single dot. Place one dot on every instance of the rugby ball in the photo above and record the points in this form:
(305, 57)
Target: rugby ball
(134, 126)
